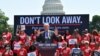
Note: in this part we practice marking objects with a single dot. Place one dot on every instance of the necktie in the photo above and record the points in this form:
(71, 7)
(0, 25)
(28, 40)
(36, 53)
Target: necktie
(46, 35)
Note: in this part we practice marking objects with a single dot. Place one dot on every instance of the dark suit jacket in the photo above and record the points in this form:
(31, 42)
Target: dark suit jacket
(41, 38)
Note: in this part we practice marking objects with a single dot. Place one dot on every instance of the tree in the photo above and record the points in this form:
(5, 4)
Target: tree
(90, 26)
(96, 21)
(3, 21)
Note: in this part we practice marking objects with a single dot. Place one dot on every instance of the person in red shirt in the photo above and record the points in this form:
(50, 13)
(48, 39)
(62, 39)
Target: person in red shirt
(33, 36)
(84, 37)
(76, 38)
(16, 45)
(86, 49)
(65, 50)
(60, 42)
(22, 51)
(56, 35)
(67, 36)
(87, 34)
(95, 35)
(28, 43)
(92, 43)
(8, 51)
(77, 35)
(6, 36)
(22, 36)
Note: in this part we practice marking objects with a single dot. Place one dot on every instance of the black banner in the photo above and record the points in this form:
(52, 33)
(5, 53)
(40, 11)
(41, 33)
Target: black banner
(61, 22)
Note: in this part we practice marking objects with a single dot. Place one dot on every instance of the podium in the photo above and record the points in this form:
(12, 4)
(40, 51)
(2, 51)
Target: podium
(47, 49)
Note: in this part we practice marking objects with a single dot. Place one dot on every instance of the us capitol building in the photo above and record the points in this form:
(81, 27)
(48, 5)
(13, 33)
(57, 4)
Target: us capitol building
(52, 7)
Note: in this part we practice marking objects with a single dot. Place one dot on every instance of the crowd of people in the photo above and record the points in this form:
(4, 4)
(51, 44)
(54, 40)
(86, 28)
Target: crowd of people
(85, 44)
(69, 44)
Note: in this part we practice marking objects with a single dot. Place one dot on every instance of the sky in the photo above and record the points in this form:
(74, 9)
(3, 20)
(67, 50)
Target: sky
(34, 7)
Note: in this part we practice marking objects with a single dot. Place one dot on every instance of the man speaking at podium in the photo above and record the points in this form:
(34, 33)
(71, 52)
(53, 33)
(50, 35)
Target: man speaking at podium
(47, 35)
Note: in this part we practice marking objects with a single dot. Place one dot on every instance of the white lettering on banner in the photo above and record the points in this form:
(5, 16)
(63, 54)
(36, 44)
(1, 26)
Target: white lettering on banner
(51, 20)
(26, 20)
(38, 19)
(21, 20)
(74, 19)
(43, 21)
(71, 19)
(29, 20)
(79, 19)
(48, 19)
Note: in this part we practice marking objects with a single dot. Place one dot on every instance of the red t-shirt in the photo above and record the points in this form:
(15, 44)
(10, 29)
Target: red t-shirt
(88, 35)
(63, 52)
(22, 52)
(6, 42)
(85, 38)
(96, 37)
(16, 46)
(92, 45)
(68, 37)
(7, 36)
(8, 53)
(86, 51)
(79, 38)
(66, 52)
(23, 38)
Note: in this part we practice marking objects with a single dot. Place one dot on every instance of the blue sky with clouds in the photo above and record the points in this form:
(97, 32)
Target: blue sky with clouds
(34, 7)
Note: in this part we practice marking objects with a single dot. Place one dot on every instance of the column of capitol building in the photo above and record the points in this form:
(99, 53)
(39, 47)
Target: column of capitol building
(52, 7)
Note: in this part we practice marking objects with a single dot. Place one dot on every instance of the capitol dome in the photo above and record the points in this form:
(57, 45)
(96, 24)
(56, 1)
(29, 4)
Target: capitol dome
(52, 7)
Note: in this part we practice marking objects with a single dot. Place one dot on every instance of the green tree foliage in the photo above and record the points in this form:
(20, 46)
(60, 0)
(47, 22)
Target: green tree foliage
(96, 22)
(3, 21)
(90, 26)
